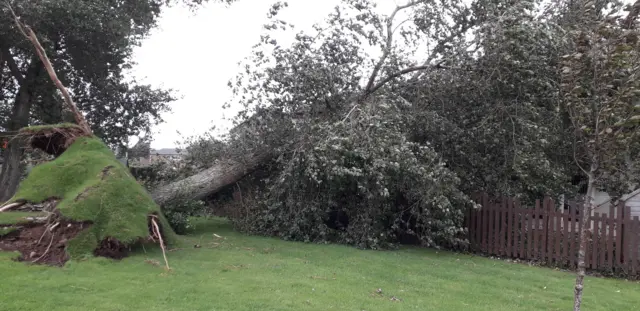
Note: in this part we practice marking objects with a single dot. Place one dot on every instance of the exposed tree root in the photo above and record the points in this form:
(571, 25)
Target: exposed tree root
(48, 248)
(156, 232)
(11, 206)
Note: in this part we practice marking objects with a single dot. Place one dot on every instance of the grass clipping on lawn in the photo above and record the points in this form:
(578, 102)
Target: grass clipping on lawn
(91, 185)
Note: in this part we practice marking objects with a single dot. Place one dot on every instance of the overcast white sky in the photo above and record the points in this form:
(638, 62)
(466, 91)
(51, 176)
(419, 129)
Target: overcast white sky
(196, 54)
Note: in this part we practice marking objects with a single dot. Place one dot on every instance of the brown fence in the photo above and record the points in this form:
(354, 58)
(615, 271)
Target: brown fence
(549, 234)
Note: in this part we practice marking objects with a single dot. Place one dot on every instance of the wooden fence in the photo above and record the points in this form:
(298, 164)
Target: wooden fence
(547, 234)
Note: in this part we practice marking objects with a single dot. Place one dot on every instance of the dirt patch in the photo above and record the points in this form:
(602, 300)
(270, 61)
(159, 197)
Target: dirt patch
(111, 248)
(39, 245)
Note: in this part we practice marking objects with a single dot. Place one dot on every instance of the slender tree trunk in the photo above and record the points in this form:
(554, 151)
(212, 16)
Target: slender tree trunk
(584, 220)
(11, 168)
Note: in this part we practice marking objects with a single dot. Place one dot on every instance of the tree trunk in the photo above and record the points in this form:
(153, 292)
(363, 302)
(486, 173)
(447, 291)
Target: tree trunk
(11, 168)
(584, 220)
(209, 181)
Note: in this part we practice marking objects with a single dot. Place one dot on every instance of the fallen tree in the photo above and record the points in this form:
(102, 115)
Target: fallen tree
(211, 180)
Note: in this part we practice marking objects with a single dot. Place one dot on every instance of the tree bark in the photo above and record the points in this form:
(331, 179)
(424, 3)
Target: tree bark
(11, 168)
(584, 220)
(209, 181)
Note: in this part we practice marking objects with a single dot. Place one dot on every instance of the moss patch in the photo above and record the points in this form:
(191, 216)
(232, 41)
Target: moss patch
(40, 128)
(92, 185)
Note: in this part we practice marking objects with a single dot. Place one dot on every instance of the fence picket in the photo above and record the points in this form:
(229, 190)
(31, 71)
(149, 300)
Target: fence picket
(610, 236)
(503, 227)
(633, 245)
(512, 240)
(571, 237)
(548, 231)
(491, 228)
(497, 248)
(566, 260)
(485, 223)
(536, 230)
(594, 241)
(479, 227)
(544, 218)
(557, 235)
(521, 223)
(602, 240)
(626, 238)
(619, 233)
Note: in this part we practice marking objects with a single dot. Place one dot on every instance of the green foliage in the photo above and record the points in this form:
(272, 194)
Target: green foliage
(362, 183)
(253, 273)
(494, 114)
(601, 92)
(93, 186)
(179, 213)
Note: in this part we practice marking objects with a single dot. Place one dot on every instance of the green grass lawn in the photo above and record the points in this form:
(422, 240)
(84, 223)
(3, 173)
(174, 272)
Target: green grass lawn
(238, 272)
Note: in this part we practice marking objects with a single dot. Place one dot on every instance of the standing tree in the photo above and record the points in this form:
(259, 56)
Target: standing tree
(602, 96)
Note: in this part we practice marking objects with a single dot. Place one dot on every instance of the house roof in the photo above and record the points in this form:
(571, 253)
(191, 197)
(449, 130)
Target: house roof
(630, 195)
(624, 197)
(165, 151)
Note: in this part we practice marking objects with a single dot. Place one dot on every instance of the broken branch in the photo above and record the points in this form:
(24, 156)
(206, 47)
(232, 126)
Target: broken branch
(31, 35)
(156, 228)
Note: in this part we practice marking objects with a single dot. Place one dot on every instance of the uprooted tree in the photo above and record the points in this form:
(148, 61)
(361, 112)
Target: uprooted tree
(344, 135)
(341, 134)
(95, 204)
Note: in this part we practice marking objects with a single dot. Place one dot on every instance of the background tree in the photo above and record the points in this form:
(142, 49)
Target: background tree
(493, 112)
(601, 93)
